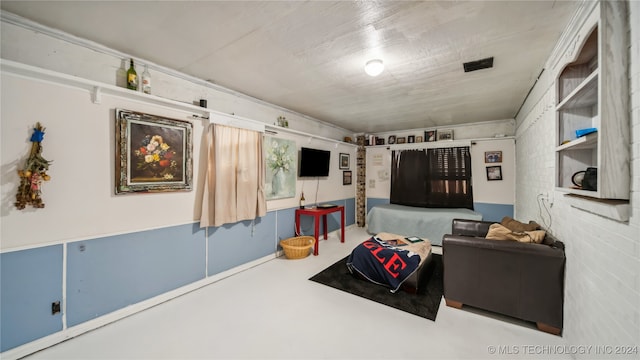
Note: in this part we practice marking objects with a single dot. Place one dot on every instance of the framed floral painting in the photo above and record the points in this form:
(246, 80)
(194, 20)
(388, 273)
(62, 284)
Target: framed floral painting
(153, 153)
(281, 157)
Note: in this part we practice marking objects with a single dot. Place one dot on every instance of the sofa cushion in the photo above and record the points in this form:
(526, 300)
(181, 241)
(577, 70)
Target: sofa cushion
(500, 232)
(517, 226)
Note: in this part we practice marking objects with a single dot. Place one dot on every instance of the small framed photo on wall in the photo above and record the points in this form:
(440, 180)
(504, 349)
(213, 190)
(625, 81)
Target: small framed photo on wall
(430, 135)
(344, 161)
(493, 156)
(445, 135)
(392, 139)
(494, 173)
(346, 178)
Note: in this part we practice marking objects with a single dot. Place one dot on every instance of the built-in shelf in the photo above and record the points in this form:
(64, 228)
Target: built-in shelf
(585, 94)
(589, 99)
(588, 141)
(618, 210)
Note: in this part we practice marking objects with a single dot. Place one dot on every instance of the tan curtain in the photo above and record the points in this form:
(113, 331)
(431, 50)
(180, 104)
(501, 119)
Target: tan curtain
(234, 189)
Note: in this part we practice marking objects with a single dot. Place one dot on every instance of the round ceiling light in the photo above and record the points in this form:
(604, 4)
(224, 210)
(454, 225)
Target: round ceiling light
(374, 67)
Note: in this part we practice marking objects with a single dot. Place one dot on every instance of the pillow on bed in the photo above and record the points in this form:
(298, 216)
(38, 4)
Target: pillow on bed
(499, 232)
(515, 225)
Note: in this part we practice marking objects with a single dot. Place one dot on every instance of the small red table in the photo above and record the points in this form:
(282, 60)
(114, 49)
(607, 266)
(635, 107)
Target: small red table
(316, 213)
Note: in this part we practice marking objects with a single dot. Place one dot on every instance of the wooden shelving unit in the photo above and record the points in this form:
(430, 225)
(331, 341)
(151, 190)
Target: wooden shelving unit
(592, 92)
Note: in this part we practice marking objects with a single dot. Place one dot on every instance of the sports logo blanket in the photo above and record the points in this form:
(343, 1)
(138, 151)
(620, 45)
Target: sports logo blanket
(383, 263)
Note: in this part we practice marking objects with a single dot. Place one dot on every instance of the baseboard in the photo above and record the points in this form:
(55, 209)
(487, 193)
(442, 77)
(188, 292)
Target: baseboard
(69, 333)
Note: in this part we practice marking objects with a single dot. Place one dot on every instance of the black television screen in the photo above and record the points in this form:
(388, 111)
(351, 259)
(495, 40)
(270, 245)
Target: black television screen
(314, 162)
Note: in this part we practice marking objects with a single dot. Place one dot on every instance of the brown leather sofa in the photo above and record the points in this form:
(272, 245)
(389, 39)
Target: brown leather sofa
(521, 280)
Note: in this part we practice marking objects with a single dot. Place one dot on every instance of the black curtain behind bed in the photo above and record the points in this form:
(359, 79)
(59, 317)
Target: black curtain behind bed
(434, 178)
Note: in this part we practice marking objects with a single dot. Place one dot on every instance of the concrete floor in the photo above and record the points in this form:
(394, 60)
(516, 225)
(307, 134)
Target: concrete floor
(272, 311)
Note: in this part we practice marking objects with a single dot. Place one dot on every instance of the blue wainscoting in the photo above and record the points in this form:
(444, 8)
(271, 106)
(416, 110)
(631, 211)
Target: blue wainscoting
(493, 212)
(30, 281)
(371, 202)
(109, 273)
(232, 245)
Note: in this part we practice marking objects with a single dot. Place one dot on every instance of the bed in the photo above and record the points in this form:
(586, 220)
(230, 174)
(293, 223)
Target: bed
(426, 223)
(391, 260)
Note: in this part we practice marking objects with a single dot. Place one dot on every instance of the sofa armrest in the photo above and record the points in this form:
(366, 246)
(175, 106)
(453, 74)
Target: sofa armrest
(467, 227)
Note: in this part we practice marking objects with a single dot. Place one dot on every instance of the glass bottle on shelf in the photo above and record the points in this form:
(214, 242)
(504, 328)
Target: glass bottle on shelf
(132, 77)
(146, 80)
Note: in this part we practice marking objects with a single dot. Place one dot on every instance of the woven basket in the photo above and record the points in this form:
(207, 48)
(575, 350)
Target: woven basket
(297, 247)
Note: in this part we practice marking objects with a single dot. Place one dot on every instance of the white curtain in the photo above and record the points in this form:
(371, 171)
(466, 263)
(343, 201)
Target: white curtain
(234, 187)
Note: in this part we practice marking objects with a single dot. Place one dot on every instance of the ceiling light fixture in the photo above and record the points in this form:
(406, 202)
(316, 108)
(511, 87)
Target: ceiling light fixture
(374, 67)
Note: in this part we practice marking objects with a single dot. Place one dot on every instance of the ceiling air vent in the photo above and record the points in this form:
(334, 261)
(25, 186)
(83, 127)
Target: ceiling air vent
(478, 64)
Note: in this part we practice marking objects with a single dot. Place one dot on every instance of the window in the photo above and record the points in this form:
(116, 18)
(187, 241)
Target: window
(432, 178)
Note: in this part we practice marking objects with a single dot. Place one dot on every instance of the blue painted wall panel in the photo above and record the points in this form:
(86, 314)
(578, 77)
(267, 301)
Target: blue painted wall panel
(232, 245)
(286, 223)
(349, 211)
(30, 281)
(371, 202)
(109, 273)
(493, 212)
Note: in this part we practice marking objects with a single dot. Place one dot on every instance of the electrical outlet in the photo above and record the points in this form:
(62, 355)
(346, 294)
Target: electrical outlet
(55, 307)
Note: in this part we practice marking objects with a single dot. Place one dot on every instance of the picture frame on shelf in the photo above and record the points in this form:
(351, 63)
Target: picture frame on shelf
(411, 139)
(430, 135)
(419, 138)
(445, 135)
(379, 141)
(152, 153)
(347, 177)
(392, 139)
(493, 156)
(401, 140)
(344, 161)
(494, 173)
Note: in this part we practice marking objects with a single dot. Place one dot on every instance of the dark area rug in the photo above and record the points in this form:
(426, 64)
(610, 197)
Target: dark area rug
(425, 303)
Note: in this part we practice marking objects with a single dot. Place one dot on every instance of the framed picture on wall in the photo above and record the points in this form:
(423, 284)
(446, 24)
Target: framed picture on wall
(344, 161)
(493, 156)
(411, 139)
(346, 178)
(494, 173)
(430, 135)
(153, 153)
(445, 135)
(418, 138)
(392, 139)
(401, 140)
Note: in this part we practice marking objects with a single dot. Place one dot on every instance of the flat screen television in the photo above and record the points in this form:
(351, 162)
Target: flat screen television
(314, 162)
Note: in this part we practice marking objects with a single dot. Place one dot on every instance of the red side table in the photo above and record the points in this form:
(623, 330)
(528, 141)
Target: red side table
(316, 213)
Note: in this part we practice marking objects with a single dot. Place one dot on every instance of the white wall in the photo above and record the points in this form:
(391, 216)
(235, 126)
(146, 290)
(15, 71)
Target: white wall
(80, 137)
(602, 285)
(491, 192)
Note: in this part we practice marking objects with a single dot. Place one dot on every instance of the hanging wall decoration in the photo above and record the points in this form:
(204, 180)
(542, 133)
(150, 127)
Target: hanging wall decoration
(34, 172)
(282, 161)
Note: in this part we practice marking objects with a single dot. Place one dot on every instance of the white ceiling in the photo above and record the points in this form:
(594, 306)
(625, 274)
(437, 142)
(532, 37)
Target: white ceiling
(308, 56)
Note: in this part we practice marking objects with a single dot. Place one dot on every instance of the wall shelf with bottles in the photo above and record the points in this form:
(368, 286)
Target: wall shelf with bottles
(592, 92)
(97, 89)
